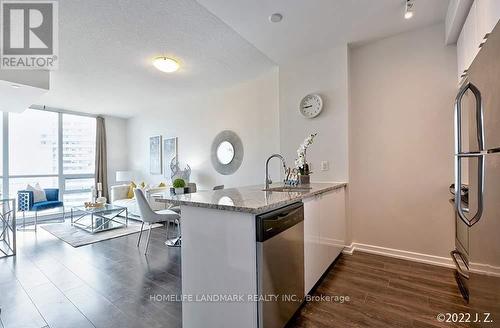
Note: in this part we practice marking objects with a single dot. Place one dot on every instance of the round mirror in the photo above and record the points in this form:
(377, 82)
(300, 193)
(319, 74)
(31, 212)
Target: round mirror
(225, 152)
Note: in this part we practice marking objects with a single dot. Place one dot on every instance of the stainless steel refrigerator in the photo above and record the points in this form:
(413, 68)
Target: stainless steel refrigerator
(477, 165)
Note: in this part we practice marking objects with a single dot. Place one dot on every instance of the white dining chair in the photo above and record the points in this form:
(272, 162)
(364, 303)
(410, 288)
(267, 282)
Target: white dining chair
(151, 217)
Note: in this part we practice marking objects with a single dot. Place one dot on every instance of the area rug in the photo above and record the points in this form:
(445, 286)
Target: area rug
(77, 237)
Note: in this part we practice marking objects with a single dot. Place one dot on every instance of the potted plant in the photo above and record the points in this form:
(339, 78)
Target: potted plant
(301, 162)
(179, 185)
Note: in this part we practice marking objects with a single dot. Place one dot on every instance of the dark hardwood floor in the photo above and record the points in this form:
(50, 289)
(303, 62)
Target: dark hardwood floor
(108, 284)
(384, 292)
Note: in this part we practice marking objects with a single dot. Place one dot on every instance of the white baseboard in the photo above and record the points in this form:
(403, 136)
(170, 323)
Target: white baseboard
(348, 249)
(485, 269)
(419, 257)
(400, 254)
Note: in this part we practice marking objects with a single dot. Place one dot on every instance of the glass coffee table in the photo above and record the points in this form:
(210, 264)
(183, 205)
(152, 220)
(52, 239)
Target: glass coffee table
(97, 219)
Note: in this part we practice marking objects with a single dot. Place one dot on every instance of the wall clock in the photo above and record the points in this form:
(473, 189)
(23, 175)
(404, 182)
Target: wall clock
(311, 105)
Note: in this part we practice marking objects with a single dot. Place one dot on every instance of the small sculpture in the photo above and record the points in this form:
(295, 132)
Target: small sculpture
(179, 172)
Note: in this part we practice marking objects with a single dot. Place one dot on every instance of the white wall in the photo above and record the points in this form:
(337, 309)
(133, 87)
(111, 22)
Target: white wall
(401, 142)
(250, 109)
(324, 73)
(116, 142)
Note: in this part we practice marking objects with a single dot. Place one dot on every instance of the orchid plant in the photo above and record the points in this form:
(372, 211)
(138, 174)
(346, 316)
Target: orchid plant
(300, 162)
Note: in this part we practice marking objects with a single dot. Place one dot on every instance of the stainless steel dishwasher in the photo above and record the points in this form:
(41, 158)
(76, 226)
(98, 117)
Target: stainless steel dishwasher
(280, 264)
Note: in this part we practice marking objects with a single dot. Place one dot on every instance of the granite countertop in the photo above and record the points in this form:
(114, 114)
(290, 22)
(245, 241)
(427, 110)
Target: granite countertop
(251, 199)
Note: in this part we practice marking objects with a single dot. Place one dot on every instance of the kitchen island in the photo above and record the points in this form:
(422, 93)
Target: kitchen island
(218, 256)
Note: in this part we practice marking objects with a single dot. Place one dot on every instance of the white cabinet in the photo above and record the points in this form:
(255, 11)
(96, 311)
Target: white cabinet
(311, 243)
(461, 49)
(488, 14)
(324, 233)
(482, 18)
(332, 231)
(467, 44)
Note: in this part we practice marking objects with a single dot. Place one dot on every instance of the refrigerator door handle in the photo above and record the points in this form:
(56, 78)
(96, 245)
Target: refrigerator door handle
(479, 117)
(459, 154)
(480, 191)
(460, 271)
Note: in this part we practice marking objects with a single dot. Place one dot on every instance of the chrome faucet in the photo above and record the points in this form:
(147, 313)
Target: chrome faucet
(268, 179)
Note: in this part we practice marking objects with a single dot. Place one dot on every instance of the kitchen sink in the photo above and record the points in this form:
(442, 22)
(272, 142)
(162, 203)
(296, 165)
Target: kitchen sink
(288, 189)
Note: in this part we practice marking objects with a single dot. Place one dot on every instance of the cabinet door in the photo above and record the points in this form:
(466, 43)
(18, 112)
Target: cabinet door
(332, 232)
(488, 14)
(468, 42)
(461, 54)
(471, 36)
(481, 20)
(312, 264)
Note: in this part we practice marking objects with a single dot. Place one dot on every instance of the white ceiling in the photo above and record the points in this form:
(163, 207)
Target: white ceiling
(106, 49)
(313, 25)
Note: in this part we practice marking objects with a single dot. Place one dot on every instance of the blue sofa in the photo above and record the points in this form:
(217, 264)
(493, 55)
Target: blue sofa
(26, 204)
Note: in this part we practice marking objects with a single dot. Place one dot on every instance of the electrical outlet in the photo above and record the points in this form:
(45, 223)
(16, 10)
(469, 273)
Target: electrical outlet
(325, 166)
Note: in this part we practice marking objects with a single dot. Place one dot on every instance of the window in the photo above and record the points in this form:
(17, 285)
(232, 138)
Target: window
(16, 184)
(56, 150)
(78, 144)
(33, 150)
(77, 191)
(78, 153)
(2, 156)
(33, 144)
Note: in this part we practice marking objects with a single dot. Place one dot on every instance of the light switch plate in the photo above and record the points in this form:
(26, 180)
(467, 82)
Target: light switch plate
(325, 166)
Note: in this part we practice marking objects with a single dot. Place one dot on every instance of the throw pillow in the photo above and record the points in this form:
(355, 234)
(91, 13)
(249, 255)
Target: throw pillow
(162, 185)
(144, 188)
(131, 187)
(38, 193)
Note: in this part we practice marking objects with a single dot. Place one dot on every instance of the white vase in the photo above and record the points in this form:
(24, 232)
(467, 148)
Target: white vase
(101, 200)
(179, 191)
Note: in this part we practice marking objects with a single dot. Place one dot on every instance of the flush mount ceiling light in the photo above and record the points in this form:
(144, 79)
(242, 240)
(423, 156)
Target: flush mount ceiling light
(165, 64)
(409, 9)
(276, 18)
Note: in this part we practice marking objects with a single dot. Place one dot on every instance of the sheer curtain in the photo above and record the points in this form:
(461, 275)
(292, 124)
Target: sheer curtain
(101, 162)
